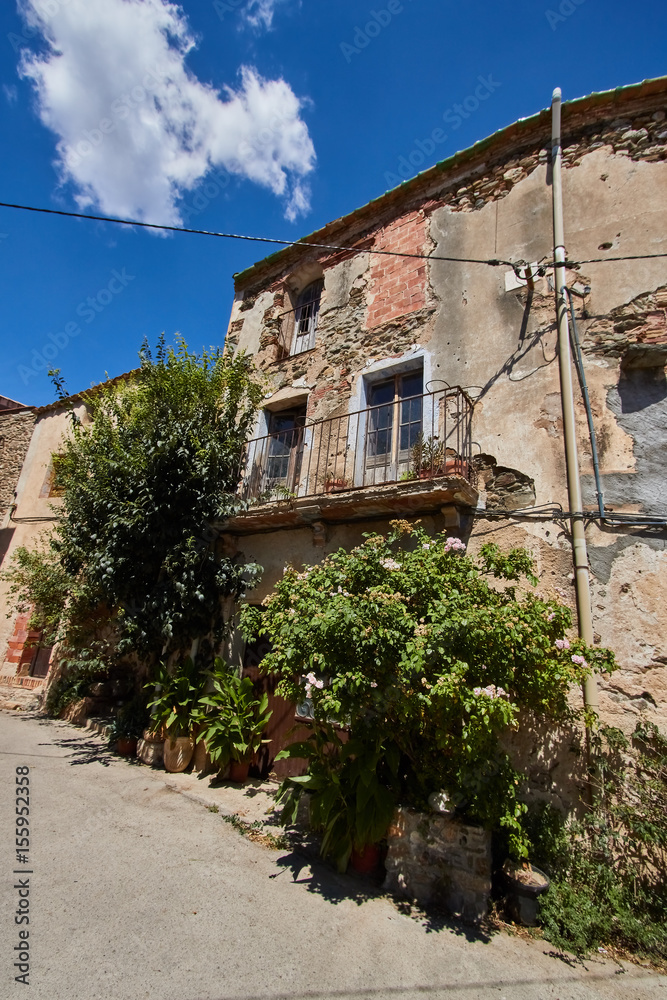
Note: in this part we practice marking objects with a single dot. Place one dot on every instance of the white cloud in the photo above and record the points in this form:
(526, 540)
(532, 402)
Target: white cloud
(11, 93)
(136, 129)
(259, 13)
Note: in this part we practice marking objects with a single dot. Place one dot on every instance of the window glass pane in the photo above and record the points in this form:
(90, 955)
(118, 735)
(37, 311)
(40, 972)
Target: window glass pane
(305, 314)
(382, 392)
(381, 418)
(286, 437)
(411, 422)
(411, 385)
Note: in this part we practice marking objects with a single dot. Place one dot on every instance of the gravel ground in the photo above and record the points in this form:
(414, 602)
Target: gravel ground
(137, 889)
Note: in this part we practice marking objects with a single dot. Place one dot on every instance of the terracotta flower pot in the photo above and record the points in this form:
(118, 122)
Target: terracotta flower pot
(335, 485)
(238, 771)
(126, 746)
(201, 761)
(456, 467)
(365, 861)
(178, 753)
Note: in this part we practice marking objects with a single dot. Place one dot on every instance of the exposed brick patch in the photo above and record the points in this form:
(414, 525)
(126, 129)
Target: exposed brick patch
(398, 285)
(21, 646)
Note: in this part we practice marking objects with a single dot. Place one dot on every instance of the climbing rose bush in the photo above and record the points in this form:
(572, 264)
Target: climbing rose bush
(406, 641)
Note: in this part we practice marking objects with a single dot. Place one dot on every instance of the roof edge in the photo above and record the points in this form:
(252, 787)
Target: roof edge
(645, 88)
(80, 397)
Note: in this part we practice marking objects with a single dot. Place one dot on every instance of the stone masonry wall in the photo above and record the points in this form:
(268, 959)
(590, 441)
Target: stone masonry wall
(15, 433)
(643, 321)
(437, 861)
(643, 137)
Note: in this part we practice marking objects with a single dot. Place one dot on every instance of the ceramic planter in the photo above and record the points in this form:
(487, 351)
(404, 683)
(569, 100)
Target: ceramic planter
(178, 753)
(238, 771)
(525, 885)
(201, 761)
(150, 748)
(366, 860)
(126, 746)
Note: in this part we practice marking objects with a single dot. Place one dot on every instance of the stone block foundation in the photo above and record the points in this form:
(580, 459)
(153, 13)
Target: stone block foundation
(435, 860)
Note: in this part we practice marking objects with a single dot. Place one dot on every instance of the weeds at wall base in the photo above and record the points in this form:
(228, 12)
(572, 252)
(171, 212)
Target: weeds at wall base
(254, 831)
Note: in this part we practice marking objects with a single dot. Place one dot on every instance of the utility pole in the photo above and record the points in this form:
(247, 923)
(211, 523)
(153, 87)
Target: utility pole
(580, 553)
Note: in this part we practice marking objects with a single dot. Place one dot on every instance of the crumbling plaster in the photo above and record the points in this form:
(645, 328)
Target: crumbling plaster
(35, 513)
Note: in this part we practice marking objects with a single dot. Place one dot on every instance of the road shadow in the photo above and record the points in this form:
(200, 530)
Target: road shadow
(318, 876)
(88, 751)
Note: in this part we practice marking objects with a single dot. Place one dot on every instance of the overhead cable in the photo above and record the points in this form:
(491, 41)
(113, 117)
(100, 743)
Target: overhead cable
(493, 262)
(490, 262)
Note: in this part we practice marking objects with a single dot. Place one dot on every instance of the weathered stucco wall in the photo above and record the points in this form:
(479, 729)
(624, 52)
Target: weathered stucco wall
(34, 515)
(478, 327)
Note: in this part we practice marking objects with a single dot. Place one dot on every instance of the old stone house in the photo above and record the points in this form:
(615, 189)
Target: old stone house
(413, 372)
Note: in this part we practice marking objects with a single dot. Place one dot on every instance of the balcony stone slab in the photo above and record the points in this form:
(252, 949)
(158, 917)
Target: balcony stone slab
(404, 499)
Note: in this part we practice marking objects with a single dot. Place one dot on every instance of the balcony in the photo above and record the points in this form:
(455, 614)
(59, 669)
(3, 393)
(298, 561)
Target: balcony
(404, 457)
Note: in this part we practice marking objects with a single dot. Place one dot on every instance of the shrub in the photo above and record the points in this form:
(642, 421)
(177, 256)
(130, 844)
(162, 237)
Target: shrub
(405, 641)
(609, 871)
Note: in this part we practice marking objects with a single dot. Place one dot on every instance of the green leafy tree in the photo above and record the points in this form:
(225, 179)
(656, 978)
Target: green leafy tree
(134, 562)
(431, 654)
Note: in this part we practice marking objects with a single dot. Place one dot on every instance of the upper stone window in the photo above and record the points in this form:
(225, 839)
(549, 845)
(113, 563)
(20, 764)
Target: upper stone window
(306, 313)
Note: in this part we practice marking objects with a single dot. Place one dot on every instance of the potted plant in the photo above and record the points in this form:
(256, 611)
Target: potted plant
(232, 721)
(128, 726)
(428, 457)
(525, 884)
(150, 747)
(173, 710)
(350, 804)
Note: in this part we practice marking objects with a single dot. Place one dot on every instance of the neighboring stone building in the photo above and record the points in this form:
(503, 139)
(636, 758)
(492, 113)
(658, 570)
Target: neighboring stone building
(38, 435)
(16, 424)
(364, 353)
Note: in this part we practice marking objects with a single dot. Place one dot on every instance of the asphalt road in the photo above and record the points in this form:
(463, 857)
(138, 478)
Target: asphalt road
(137, 891)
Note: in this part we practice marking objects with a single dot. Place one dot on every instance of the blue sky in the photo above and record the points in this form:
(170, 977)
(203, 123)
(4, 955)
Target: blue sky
(265, 117)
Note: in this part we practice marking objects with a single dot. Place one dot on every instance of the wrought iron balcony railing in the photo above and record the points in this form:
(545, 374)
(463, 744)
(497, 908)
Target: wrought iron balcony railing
(420, 437)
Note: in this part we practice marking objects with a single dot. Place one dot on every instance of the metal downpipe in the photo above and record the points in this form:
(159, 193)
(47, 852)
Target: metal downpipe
(580, 552)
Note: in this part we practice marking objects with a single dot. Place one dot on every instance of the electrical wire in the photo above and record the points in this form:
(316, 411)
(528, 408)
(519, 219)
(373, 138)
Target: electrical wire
(516, 266)
(493, 262)
(604, 260)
